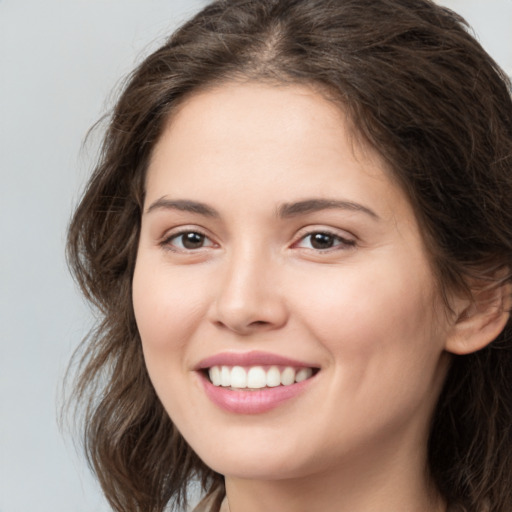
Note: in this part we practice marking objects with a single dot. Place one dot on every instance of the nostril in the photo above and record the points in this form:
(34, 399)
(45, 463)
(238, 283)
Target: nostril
(249, 317)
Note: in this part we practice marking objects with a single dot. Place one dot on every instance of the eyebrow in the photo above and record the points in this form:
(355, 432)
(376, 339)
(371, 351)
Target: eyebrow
(286, 210)
(315, 205)
(183, 205)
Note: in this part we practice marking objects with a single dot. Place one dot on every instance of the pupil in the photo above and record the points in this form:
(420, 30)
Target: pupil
(193, 240)
(321, 241)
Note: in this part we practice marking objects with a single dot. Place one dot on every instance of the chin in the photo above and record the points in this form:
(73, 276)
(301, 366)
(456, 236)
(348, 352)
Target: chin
(256, 460)
(248, 469)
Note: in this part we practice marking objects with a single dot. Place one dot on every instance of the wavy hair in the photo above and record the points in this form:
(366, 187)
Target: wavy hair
(419, 89)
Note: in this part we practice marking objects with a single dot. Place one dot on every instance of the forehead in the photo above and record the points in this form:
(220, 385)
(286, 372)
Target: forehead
(269, 143)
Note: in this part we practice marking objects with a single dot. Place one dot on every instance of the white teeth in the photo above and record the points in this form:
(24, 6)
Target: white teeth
(273, 377)
(215, 376)
(238, 377)
(225, 376)
(303, 374)
(288, 376)
(255, 377)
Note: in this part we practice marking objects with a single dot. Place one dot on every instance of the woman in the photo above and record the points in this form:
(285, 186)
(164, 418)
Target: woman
(299, 238)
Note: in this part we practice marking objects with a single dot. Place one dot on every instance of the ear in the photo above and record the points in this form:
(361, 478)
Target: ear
(480, 320)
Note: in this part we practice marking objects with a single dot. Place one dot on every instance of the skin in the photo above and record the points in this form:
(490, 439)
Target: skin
(365, 311)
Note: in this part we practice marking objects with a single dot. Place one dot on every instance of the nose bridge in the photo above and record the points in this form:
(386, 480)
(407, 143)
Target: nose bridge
(248, 298)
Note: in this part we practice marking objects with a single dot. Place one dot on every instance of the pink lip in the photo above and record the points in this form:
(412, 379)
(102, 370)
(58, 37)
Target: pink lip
(251, 402)
(253, 358)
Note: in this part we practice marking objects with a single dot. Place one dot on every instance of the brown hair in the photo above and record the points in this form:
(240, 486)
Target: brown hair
(418, 88)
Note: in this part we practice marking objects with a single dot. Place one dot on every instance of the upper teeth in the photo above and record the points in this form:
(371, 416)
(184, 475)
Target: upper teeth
(256, 377)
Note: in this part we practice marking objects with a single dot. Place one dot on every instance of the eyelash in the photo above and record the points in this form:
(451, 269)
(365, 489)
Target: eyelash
(339, 242)
(167, 242)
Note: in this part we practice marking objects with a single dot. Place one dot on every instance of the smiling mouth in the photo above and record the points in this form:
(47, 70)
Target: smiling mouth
(253, 378)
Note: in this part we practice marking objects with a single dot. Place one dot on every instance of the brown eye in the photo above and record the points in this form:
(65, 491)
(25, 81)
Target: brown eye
(188, 241)
(192, 240)
(322, 241)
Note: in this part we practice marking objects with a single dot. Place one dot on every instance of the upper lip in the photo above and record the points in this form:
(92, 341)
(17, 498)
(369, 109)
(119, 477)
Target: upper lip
(252, 358)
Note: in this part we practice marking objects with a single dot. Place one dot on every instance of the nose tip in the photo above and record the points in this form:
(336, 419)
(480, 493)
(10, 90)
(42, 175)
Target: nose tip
(248, 301)
(241, 321)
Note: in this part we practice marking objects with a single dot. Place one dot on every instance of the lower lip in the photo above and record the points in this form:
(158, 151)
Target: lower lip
(252, 402)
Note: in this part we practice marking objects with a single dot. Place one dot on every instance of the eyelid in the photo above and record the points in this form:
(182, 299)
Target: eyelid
(346, 240)
(170, 235)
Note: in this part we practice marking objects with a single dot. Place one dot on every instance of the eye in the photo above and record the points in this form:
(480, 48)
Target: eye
(323, 240)
(187, 241)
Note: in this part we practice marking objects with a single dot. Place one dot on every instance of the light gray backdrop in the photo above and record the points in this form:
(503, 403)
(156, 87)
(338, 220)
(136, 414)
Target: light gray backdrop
(60, 60)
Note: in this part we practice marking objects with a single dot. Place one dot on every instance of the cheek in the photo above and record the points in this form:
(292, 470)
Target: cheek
(168, 308)
(375, 322)
(384, 354)
(345, 302)
(168, 312)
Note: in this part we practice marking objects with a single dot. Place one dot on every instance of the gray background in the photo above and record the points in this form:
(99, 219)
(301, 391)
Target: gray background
(60, 63)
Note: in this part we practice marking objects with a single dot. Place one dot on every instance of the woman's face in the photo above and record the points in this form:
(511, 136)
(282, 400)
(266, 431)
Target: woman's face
(274, 248)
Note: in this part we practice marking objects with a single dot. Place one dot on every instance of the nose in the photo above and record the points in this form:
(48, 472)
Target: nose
(249, 298)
